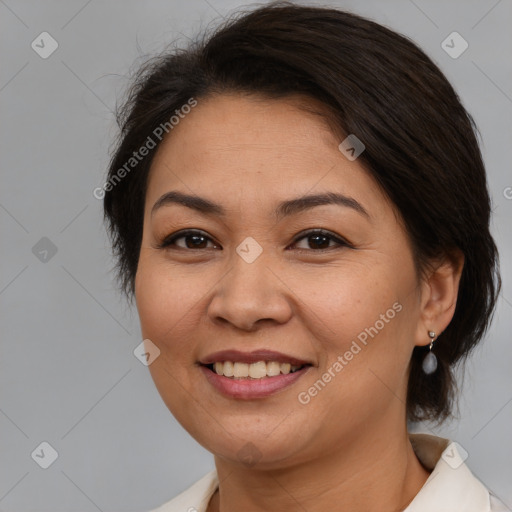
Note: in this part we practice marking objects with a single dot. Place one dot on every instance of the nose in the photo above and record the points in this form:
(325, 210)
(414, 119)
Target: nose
(250, 294)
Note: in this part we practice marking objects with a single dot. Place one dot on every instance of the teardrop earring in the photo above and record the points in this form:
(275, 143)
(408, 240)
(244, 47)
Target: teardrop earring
(429, 364)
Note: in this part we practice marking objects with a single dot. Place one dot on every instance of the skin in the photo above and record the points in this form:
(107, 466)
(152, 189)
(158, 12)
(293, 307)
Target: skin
(248, 154)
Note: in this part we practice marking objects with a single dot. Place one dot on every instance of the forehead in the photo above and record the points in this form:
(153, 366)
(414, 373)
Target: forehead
(255, 147)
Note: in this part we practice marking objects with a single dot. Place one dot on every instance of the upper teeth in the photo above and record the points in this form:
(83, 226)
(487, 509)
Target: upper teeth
(255, 370)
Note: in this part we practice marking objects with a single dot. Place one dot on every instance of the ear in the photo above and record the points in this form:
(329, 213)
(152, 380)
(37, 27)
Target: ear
(439, 291)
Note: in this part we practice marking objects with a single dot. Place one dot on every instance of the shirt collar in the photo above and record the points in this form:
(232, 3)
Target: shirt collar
(451, 485)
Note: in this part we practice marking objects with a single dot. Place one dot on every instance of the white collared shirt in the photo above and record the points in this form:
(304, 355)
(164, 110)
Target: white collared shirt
(451, 487)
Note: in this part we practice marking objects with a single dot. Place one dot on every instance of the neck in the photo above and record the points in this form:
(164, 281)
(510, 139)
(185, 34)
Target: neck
(374, 474)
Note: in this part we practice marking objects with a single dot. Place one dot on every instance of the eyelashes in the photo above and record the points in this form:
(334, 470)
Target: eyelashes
(321, 234)
(171, 240)
(199, 239)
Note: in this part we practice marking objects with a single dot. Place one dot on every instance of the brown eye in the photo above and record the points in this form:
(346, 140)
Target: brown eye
(320, 240)
(192, 240)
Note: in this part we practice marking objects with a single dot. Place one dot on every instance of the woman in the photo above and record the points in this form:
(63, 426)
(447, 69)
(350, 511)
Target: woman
(299, 207)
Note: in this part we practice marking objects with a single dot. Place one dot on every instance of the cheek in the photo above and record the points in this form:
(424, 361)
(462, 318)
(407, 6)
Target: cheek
(360, 326)
(165, 303)
(343, 302)
(165, 307)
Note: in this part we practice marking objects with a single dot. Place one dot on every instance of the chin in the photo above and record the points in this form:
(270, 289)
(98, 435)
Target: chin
(254, 449)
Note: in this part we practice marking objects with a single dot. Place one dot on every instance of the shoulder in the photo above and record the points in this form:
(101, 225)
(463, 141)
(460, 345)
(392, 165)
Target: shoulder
(451, 486)
(195, 498)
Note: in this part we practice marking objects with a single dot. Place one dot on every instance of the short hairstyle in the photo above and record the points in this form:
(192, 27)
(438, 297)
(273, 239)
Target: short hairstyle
(421, 148)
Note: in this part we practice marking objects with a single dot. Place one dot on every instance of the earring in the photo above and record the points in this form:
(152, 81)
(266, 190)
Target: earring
(429, 364)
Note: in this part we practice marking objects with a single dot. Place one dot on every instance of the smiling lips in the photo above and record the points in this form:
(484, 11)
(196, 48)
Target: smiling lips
(256, 370)
(252, 375)
(255, 365)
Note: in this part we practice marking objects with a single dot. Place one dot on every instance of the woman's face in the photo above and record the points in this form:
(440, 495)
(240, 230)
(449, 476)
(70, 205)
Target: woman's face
(250, 279)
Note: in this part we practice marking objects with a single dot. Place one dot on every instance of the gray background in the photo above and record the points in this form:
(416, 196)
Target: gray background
(68, 375)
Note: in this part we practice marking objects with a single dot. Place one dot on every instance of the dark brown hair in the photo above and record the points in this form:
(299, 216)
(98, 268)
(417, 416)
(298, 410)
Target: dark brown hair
(420, 143)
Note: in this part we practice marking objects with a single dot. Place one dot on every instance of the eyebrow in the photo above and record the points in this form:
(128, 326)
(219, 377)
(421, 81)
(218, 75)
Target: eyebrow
(284, 209)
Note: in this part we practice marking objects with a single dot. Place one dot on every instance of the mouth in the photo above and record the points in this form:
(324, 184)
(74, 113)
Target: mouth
(253, 375)
(258, 370)
(258, 364)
